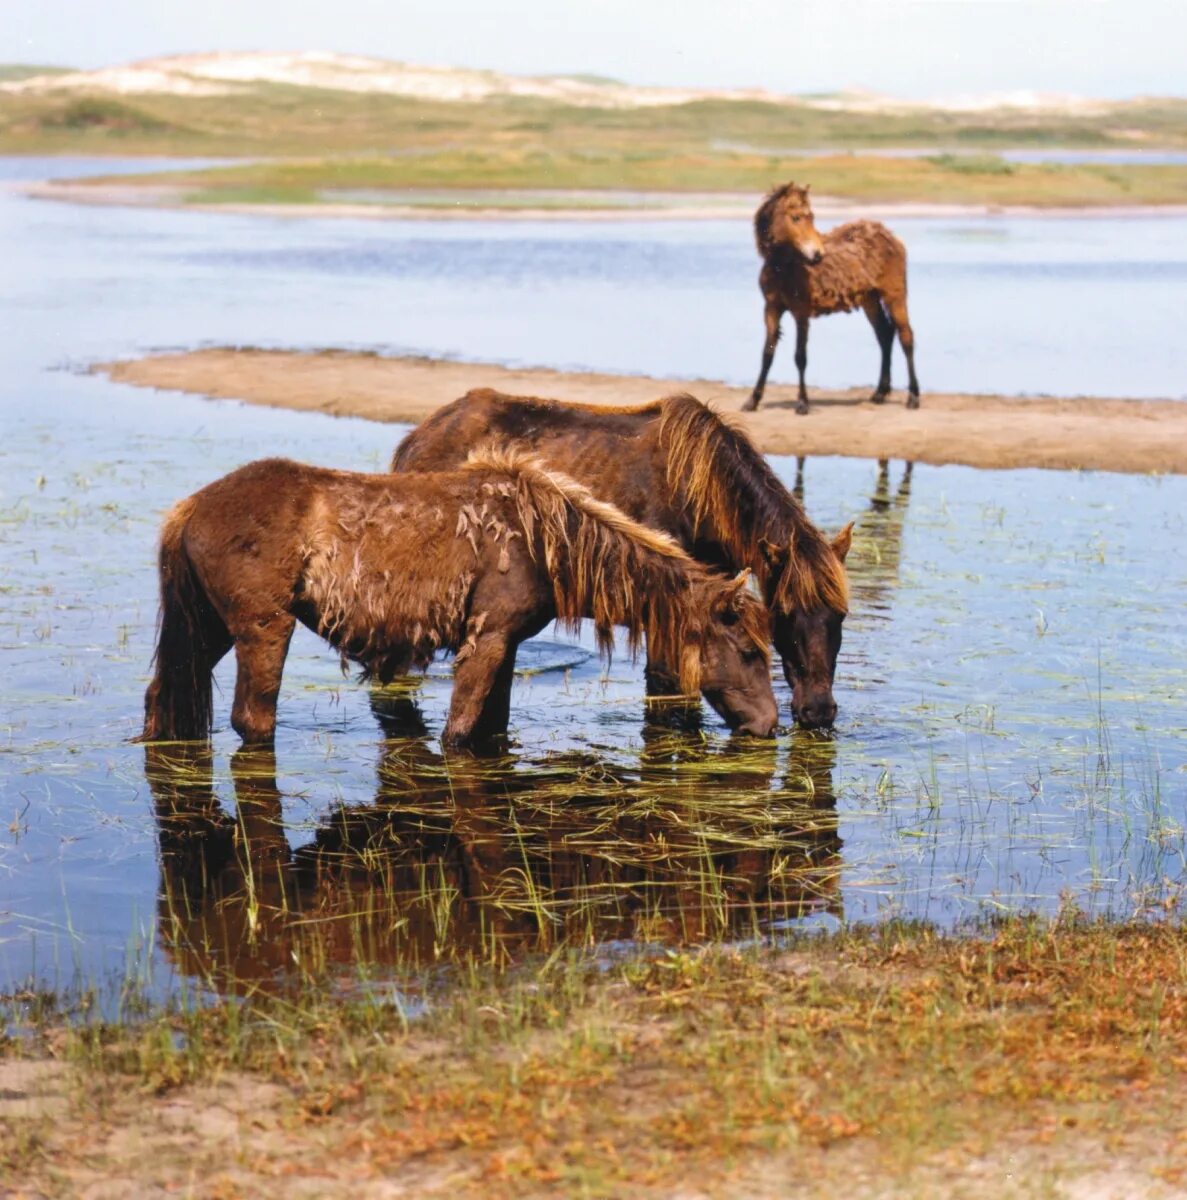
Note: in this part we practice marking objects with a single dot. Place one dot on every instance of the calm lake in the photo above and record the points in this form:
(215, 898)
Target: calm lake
(1013, 726)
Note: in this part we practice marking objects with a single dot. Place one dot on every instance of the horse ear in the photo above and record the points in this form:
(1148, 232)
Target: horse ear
(843, 541)
(737, 587)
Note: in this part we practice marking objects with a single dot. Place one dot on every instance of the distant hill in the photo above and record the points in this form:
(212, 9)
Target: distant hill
(14, 72)
(559, 130)
(224, 74)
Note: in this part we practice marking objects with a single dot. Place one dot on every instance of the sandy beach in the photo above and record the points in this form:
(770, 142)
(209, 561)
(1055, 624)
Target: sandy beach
(1089, 433)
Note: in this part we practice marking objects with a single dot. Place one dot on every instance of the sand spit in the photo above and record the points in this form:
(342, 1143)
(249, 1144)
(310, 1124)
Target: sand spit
(1133, 436)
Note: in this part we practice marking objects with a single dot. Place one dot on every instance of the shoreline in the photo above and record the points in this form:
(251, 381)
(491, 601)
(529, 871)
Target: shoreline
(960, 429)
(734, 206)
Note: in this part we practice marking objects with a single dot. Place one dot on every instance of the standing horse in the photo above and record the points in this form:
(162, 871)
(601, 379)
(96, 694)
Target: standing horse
(860, 264)
(675, 465)
(389, 570)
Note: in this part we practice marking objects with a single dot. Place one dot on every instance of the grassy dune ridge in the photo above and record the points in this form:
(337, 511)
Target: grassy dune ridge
(345, 140)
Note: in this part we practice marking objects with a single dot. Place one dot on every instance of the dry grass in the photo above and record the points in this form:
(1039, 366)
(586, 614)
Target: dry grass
(893, 1062)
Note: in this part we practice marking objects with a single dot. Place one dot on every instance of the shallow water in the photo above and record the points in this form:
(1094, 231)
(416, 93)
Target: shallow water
(1013, 704)
(1066, 307)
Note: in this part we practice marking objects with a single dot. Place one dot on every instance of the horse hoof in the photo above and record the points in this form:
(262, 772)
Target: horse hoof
(802, 409)
(912, 401)
(878, 398)
(751, 405)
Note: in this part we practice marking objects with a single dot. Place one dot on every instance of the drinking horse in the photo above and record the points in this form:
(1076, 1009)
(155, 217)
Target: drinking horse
(391, 569)
(675, 465)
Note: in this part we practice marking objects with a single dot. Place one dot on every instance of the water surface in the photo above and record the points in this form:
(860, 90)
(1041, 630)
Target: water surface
(1013, 704)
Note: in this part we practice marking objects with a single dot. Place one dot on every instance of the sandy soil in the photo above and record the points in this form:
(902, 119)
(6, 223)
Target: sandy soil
(1135, 436)
(729, 206)
(73, 1134)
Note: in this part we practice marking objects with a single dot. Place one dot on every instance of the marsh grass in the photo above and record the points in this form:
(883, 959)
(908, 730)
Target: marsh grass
(568, 1070)
(279, 119)
(944, 179)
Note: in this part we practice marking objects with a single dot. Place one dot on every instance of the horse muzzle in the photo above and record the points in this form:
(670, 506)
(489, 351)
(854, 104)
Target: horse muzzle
(816, 714)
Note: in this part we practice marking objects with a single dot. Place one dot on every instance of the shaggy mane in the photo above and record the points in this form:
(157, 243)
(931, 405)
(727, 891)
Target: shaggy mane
(623, 573)
(731, 491)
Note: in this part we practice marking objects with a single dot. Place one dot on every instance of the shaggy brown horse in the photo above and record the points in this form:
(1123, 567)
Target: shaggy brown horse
(860, 264)
(390, 570)
(677, 466)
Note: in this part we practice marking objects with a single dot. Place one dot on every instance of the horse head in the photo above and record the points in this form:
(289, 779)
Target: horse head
(786, 219)
(807, 628)
(735, 667)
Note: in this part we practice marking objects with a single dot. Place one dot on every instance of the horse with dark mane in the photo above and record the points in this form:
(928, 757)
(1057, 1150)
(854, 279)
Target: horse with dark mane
(860, 264)
(675, 465)
(390, 570)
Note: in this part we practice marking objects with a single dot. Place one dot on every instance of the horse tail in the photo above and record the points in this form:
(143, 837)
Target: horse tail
(191, 638)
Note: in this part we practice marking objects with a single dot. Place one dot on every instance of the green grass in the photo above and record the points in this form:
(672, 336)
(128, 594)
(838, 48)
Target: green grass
(348, 140)
(276, 119)
(948, 178)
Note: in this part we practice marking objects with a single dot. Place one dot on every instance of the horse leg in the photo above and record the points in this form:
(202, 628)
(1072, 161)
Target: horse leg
(884, 332)
(772, 315)
(897, 310)
(801, 361)
(481, 704)
(259, 654)
(798, 489)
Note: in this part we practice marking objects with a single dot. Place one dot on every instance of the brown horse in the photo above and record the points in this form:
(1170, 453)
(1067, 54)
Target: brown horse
(677, 466)
(860, 264)
(390, 570)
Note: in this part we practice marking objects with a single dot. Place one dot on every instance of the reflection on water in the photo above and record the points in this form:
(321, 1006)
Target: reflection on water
(874, 558)
(492, 857)
(1013, 715)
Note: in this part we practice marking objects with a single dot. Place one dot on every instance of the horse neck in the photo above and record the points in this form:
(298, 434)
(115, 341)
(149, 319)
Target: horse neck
(790, 270)
(727, 489)
(604, 566)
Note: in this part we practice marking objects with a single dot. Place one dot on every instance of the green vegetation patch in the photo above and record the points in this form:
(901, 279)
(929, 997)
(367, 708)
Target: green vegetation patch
(89, 113)
(943, 179)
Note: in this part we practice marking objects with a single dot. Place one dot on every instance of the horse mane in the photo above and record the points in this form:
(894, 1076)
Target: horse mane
(603, 563)
(765, 215)
(731, 491)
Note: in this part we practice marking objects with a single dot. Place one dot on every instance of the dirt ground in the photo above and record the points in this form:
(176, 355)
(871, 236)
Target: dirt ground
(244, 1137)
(1133, 436)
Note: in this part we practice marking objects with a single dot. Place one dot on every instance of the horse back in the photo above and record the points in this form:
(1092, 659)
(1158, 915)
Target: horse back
(614, 451)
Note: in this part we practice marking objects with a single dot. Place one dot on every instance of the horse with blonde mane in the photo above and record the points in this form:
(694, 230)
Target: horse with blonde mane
(390, 570)
(860, 264)
(676, 465)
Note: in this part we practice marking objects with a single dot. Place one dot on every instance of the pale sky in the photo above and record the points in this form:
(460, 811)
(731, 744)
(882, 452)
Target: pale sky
(903, 47)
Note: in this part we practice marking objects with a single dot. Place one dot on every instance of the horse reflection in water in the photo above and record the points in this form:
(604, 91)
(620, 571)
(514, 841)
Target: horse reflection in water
(877, 551)
(463, 857)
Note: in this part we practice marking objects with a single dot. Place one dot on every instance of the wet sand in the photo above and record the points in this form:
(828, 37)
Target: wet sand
(1134, 436)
